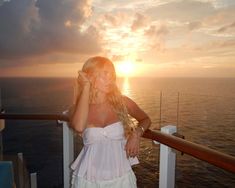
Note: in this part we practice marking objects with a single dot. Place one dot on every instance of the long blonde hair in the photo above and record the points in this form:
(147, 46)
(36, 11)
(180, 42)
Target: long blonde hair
(114, 97)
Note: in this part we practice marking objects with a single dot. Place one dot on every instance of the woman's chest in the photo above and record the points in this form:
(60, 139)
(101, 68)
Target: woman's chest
(101, 116)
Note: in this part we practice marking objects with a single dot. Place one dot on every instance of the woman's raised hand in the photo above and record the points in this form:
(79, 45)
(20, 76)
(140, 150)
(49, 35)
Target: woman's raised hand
(83, 79)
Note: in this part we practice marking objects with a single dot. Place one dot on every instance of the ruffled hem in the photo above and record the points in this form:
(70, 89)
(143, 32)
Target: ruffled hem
(128, 180)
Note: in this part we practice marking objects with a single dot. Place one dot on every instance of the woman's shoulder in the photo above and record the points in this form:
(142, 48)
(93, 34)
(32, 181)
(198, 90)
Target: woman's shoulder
(125, 98)
(128, 101)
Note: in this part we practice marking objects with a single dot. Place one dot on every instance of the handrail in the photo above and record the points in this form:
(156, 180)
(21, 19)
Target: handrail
(211, 156)
(35, 116)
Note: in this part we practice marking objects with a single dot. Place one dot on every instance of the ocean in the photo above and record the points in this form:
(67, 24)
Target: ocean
(203, 109)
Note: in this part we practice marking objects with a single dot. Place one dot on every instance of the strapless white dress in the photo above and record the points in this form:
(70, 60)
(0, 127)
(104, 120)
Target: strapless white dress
(102, 162)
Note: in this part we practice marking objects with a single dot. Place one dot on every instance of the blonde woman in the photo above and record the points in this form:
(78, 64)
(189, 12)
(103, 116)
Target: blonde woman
(101, 115)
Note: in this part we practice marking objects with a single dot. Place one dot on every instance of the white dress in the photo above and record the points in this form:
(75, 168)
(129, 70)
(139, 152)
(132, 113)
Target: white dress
(102, 162)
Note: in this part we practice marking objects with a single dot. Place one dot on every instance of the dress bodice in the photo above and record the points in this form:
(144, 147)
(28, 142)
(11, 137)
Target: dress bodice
(92, 135)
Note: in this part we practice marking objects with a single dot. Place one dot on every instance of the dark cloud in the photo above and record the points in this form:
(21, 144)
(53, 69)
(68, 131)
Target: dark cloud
(225, 28)
(29, 28)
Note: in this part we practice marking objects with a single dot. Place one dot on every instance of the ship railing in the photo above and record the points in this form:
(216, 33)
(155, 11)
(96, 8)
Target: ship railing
(166, 137)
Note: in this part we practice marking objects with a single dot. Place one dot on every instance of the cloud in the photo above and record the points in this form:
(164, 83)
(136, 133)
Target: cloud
(113, 19)
(194, 25)
(162, 30)
(117, 5)
(159, 31)
(140, 21)
(181, 10)
(118, 58)
(31, 28)
(151, 31)
(156, 36)
(226, 27)
(223, 49)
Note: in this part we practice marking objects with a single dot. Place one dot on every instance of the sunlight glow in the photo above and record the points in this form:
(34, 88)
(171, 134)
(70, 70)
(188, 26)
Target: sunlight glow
(126, 87)
(125, 68)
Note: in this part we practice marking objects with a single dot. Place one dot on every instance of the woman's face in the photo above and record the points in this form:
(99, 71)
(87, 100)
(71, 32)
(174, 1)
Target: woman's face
(105, 79)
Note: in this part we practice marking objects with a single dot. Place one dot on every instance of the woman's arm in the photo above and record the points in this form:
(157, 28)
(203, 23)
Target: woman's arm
(136, 112)
(144, 122)
(80, 114)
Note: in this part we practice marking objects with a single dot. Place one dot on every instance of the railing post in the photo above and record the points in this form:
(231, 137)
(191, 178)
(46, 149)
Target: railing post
(167, 161)
(178, 106)
(160, 109)
(2, 126)
(33, 180)
(21, 170)
(68, 152)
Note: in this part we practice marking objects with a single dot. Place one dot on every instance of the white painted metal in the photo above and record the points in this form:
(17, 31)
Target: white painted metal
(2, 126)
(33, 180)
(21, 170)
(68, 152)
(167, 161)
(2, 123)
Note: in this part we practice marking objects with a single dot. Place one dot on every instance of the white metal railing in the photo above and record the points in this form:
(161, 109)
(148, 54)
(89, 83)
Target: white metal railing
(68, 151)
(167, 161)
(2, 126)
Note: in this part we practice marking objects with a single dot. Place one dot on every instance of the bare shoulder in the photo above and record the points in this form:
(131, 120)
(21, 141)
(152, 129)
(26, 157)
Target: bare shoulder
(130, 104)
(133, 109)
(128, 101)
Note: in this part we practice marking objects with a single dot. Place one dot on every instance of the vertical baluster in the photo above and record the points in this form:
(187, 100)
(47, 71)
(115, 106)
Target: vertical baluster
(178, 106)
(33, 180)
(68, 151)
(20, 170)
(160, 110)
(2, 126)
(167, 161)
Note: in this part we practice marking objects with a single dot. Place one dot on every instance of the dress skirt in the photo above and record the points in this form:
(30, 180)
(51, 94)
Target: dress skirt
(128, 180)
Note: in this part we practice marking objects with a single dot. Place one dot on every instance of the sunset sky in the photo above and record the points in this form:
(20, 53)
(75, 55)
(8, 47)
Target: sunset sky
(156, 38)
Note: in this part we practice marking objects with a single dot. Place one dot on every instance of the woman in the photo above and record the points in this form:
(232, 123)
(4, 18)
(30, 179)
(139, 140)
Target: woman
(101, 115)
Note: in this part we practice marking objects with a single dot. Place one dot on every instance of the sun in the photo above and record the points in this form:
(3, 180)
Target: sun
(125, 68)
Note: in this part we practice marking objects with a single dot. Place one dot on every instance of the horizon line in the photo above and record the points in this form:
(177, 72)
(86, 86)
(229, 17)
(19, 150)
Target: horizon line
(118, 77)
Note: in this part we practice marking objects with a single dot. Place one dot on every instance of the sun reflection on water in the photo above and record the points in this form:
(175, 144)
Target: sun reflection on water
(126, 87)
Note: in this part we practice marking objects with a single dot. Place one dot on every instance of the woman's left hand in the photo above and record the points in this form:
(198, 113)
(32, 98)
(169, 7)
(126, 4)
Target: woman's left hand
(133, 145)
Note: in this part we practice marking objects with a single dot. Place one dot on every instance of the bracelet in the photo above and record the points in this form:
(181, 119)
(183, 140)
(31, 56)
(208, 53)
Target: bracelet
(142, 128)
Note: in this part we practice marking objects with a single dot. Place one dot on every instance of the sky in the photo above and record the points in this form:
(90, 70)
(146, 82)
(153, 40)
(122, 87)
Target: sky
(143, 38)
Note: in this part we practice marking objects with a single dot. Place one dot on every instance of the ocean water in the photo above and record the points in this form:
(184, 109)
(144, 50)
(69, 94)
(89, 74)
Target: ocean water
(203, 109)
